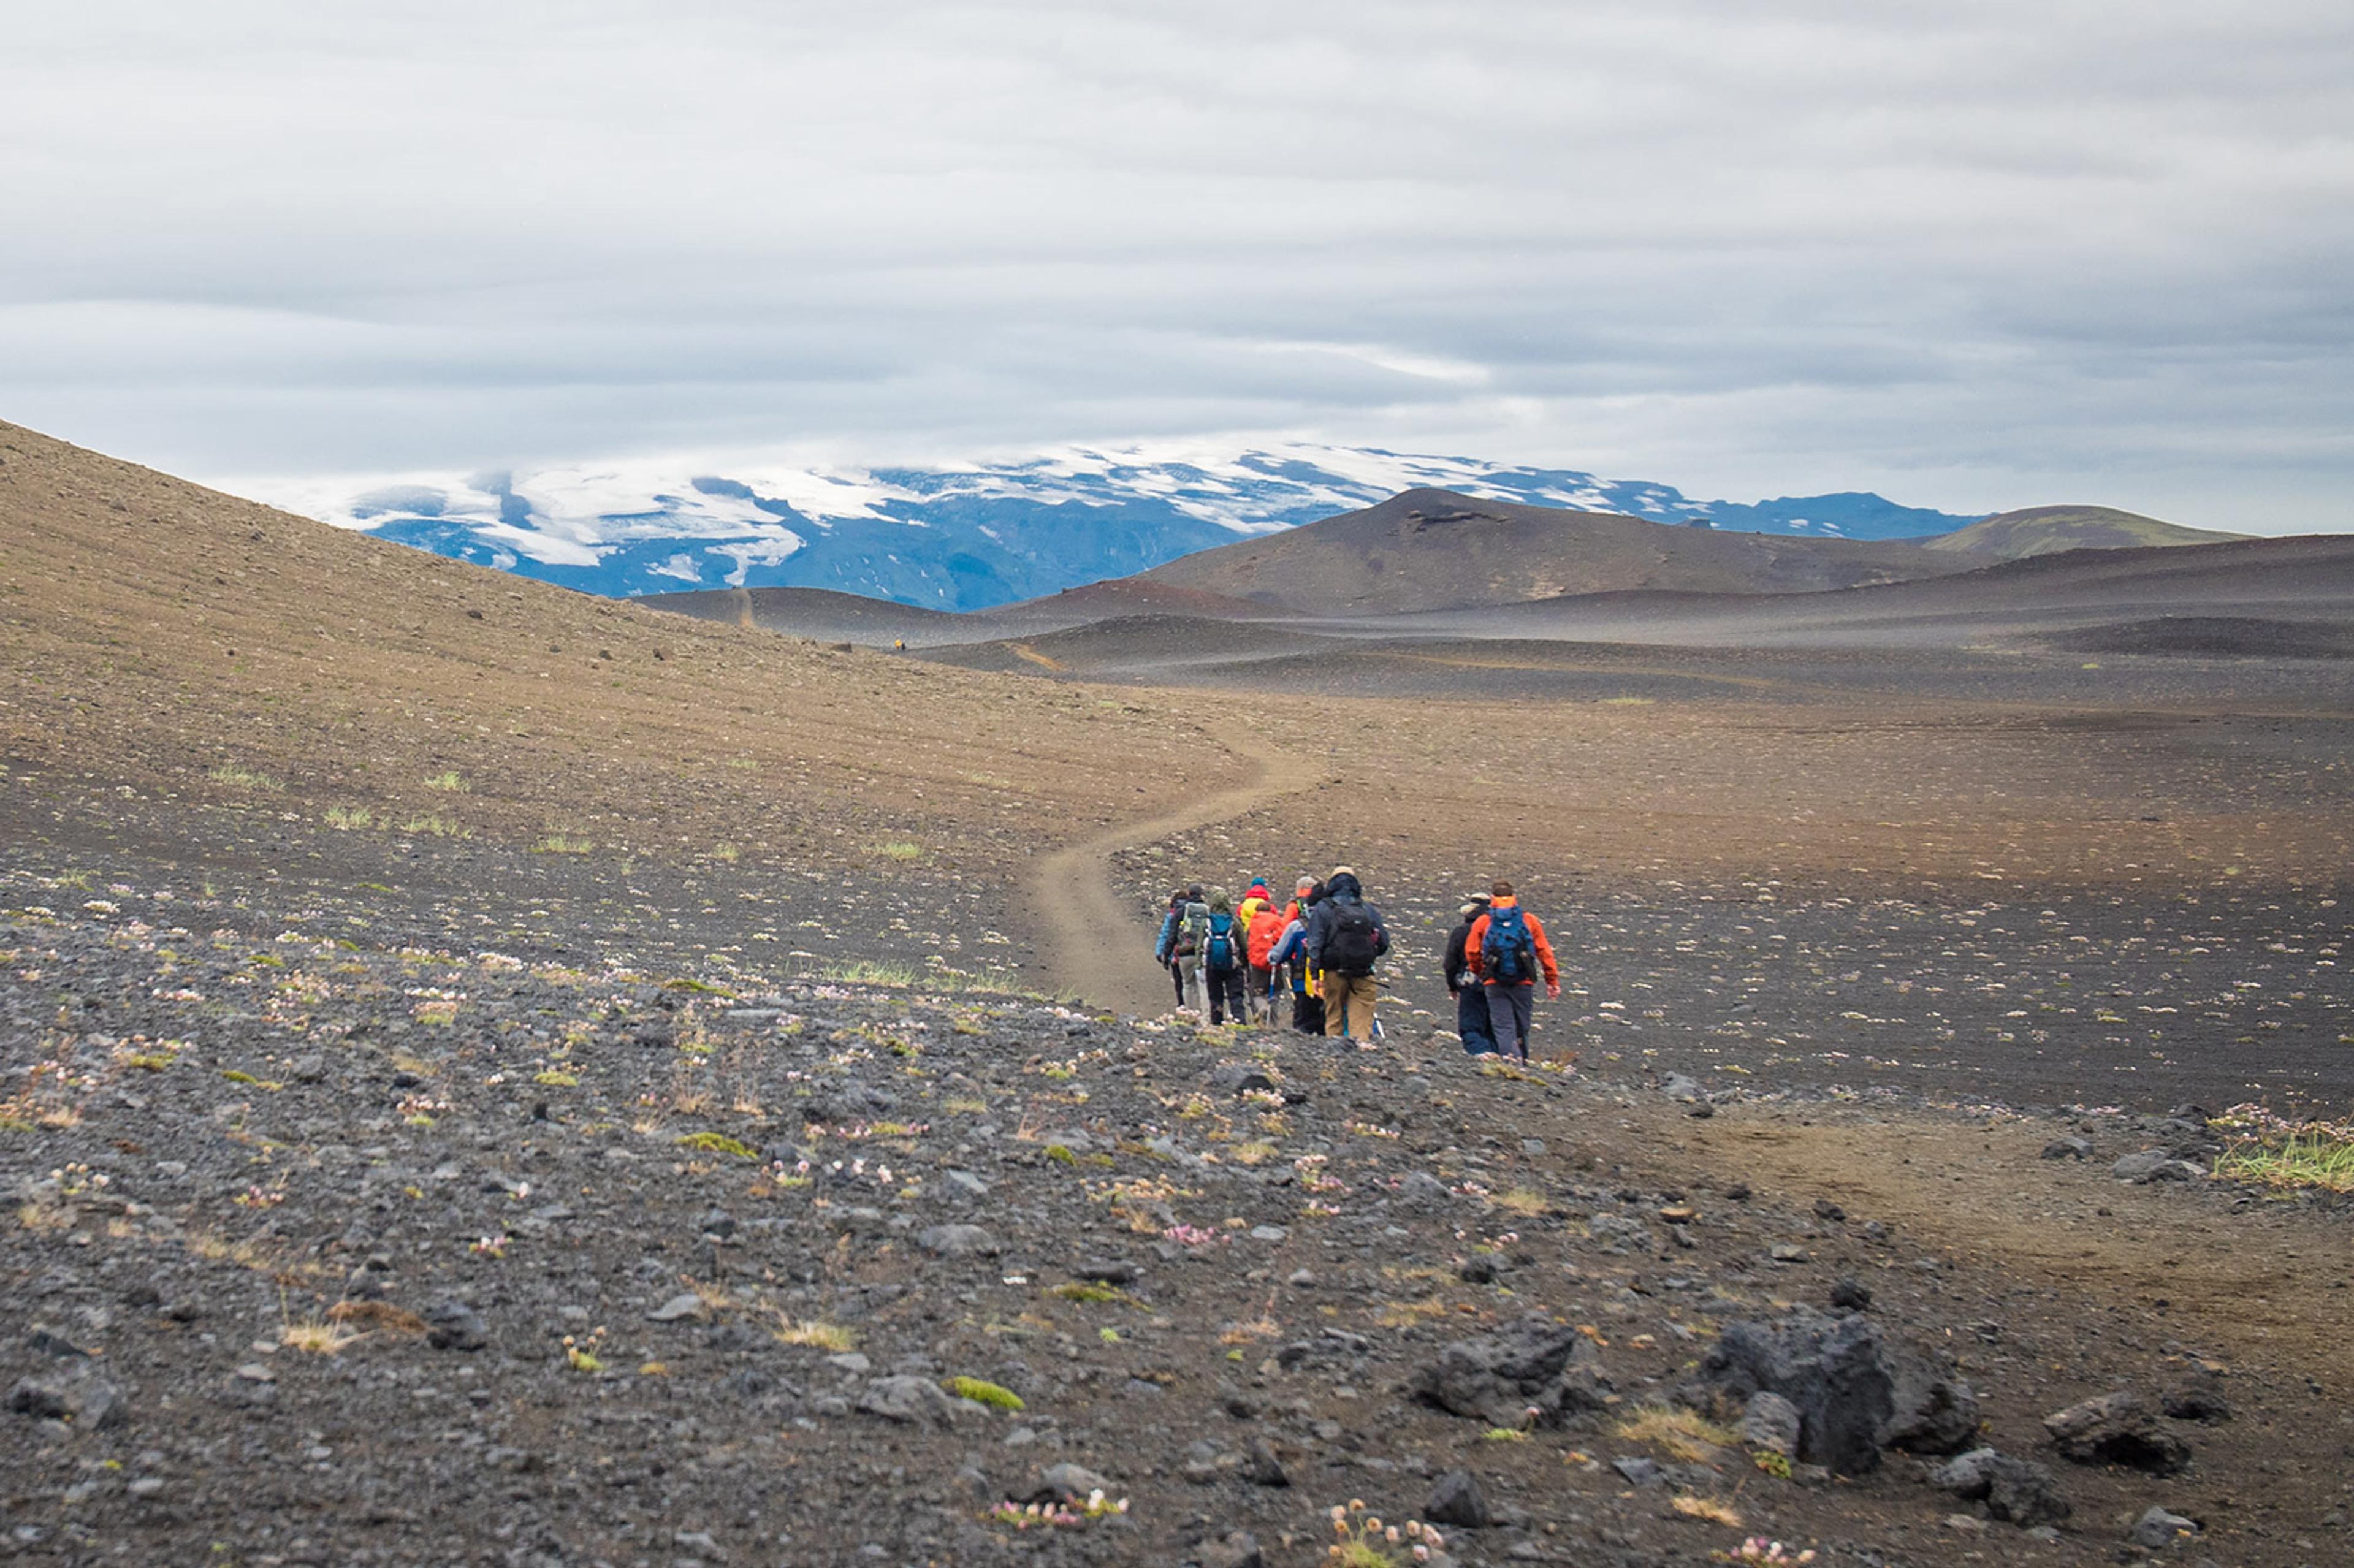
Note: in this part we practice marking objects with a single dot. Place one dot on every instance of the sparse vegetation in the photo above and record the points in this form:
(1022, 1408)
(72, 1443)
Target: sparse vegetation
(435, 827)
(906, 852)
(982, 1392)
(1684, 1434)
(317, 1336)
(561, 843)
(452, 781)
(719, 1143)
(1693, 1506)
(815, 1335)
(244, 778)
(350, 818)
(2268, 1152)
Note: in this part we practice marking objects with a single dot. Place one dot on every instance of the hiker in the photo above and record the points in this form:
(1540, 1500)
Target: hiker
(1224, 964)
(1262, 929)
(1164, 946)
(1471, 999)
(1506, 948)
(1345, 939)
(1248, 908)
(1289, 957)
(1192, 932)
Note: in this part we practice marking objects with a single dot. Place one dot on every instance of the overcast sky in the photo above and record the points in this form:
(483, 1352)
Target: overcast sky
(1973, 256)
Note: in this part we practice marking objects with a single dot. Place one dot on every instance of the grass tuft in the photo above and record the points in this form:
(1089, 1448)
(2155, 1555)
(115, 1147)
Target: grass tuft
(317, 1336)
(451, 781)
(2267, 1152)
(815, 1335)
(244, 778)
(906, 852)
(1686, 1435)
(719, 1143)
(1692, 1506)
(982, 1392)
(560, 843)
(350, 818)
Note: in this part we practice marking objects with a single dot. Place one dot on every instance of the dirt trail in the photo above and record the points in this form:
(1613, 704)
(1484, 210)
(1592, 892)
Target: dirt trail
(1094, 944)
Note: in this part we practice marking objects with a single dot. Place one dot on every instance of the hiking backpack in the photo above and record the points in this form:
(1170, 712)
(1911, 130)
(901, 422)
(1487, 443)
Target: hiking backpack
(1508, 956)
(1355, 939)
(1266, 930)
(1192, 930)
(1218, 951)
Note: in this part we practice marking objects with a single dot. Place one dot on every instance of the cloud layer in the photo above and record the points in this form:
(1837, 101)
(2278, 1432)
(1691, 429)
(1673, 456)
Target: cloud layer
(1974, 255)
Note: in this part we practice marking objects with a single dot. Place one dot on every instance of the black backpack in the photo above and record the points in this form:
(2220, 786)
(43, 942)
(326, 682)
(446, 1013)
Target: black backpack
(1354, 939)
(1218, 952)
(1508, 955)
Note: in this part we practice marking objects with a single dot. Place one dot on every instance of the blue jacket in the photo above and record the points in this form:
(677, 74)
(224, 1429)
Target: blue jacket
(1165, 945)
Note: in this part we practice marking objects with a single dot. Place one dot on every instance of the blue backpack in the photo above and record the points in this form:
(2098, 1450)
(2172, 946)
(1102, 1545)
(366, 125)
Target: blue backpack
(1508, 956)
(1219, 951)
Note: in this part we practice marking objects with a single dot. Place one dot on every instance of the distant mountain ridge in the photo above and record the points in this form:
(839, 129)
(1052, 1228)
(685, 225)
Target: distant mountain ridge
(979, 535)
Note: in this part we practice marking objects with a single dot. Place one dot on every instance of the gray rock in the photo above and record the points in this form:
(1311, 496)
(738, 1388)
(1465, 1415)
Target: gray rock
(1068, 1483)
(909, 1401)
(1270, 1234)
(1262, 1467)
(2154, 1165)
(2018, 1492)
(1639, 1472)
(2068, 1149)
(716, 1223)
(1107, 1272)
(1499, 1377)
(2195, 1403)
(2117, 1429)
(1682, 1089)
(1237, 1549)
(1422, 1192)
(678, 1308)
(1456, 1500)
(43, 1401)
(2156, 1528)
(1855, 1391)
(452, 1325)
(963, 1184)
(1772, 1423)
(1239, 1078)
(958, 1241)
(1620, 1232)
(1850, 1294)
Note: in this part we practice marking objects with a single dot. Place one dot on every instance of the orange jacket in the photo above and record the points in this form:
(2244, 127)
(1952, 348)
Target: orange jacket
(1477, 937)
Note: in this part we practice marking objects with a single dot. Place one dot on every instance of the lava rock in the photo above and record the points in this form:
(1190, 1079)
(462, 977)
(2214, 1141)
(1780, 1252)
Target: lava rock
(1850, 1294)
(1261, 1467)
(1239, 1078)
(1682, 1089)
(2205, 1404)
(909, 1401)
(2156, 1528)
(2117, 1429)
(1772, 1423)
(2154, 1165)
(2017, 1491)
(678, 1309)
(452, 1325)
(2068, 1149)
(1498, 1377)
(1856, 1393)
(1237, 1549)
(958, 1241)
(1456, 1500)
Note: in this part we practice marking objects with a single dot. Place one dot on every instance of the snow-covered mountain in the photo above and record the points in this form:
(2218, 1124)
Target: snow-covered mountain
(970, 536)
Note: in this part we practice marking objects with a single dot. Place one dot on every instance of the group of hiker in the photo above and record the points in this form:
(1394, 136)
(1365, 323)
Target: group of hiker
(1241, 959)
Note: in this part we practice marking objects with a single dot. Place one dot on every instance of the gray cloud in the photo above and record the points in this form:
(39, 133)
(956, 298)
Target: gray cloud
(1974, 255)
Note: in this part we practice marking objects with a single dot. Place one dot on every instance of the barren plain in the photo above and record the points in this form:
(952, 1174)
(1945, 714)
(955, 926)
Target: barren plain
(498, 1076)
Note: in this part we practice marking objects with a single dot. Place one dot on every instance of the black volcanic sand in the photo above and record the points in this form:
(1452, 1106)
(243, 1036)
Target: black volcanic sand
(773, 1217)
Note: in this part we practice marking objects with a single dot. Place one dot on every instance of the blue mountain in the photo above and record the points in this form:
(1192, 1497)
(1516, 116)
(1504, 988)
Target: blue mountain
(973, 537)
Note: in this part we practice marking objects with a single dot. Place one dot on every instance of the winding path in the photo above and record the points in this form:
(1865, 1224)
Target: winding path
(1096, 947)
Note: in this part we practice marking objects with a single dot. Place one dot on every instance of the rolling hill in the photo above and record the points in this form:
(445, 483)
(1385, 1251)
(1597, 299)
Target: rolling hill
(2048, 530)
(1434, 549)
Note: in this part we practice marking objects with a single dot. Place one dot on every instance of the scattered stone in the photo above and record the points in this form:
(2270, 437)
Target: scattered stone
(1422, 1191)
(678, 1308)
(42, 1400)
(716, 1223)
(1237, 1549)
(1262, 1467)
(1499, 1377)
(1120, 1273)
(2206, 1405)
(1850, 1294)
(1239, 1078)
(1479, 1268)
(1068, 1483)
(452, 1325)
(2157, 1529)
(1620, 1232)
(2068, 1149)
(1639, 1472)
(2017, 1491)
(958, 1241)
(908, 1400)
(2154, 1165)
(1682, 1089)
(1456, 1500)
(1855, 1391)
(1827, 1210)
(1770, 1422)
(1786, 1252)
(2117, 1429)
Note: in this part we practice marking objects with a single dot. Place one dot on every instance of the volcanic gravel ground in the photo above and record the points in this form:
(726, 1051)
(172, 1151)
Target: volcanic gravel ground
(668, 1261)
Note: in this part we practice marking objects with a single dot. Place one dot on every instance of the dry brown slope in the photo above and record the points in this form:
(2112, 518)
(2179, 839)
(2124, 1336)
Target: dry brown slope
(159, 636)
(1433, 549)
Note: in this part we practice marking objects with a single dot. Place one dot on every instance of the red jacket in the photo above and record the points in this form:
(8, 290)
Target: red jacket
(1477, 937)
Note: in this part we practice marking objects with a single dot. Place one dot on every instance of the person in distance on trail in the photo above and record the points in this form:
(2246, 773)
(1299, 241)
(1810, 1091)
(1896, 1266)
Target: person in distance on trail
(1192, 932)
(1471, 998)
(1224, 964)
(1262, 929)
(1290, 958)
(1164, 946)
(1345, 940)
(1507, 948)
